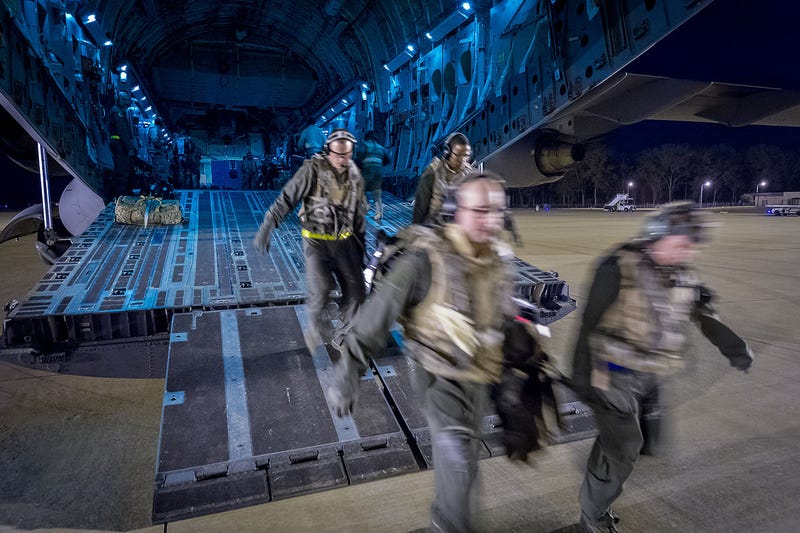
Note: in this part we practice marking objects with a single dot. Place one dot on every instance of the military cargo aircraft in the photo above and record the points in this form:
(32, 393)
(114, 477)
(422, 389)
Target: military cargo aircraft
(207, 82)
(526, 81)
(203, 84)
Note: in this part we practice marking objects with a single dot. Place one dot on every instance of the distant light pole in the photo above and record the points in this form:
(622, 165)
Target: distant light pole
(762, 184)
(630, 184)
(706, 184)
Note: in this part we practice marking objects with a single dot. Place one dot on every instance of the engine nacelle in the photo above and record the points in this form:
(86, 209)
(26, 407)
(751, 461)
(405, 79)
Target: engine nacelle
(553, 157)
(541, 157)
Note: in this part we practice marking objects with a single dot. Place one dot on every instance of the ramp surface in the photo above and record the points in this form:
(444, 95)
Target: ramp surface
(120, 281)
(246, 419)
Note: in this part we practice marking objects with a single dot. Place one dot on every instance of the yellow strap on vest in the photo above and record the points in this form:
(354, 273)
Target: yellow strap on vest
(115, 136)
(325, 237)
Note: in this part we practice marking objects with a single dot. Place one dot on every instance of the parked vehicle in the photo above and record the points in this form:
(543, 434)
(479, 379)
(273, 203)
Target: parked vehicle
(783, 210)
(621, 202)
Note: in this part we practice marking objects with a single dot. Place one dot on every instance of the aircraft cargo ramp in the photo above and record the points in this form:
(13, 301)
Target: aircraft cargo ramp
(245, 418)
(121, 282)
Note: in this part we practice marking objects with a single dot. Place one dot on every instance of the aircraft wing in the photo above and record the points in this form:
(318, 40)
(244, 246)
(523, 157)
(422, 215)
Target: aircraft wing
(627, 98)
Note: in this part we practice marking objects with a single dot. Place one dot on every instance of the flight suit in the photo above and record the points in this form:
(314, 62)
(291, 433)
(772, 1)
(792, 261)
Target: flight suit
(432, 188)
(372, 157)
(311, 140)
(122, 148)
(452, 304)
(332, 214)
(632, 337)
(250, 173)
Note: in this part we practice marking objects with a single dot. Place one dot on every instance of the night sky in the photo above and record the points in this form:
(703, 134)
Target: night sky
(746, 42)
(750, 42)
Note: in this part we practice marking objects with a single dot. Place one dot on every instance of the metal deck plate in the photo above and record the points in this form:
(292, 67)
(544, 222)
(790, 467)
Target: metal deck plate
(119, 281)
(246, 419)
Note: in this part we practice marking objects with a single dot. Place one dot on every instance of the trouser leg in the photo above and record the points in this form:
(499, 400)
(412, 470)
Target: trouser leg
(348, 267)
(319, 282)
(652, 421)
(378, 204)
(122, 167)
(616, 449)
(454, 411)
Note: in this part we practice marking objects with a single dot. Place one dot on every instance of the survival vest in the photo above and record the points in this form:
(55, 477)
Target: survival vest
(331, 207)
(645, 328)
(456, 331)
(444, 181)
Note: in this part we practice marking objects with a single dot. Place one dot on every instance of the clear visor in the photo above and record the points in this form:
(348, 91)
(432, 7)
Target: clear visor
(341, 147)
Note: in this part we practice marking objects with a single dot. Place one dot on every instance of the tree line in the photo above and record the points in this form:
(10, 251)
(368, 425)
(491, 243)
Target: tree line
(671, 172)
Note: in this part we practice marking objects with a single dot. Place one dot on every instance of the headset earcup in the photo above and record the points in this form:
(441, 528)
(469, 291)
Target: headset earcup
(656, 227)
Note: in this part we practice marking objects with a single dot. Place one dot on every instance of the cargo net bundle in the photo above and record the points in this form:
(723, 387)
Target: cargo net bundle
(147, 211)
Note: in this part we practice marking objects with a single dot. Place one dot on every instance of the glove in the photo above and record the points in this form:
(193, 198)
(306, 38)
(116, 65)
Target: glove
(343, 393)
(261, 241)
(517, 405)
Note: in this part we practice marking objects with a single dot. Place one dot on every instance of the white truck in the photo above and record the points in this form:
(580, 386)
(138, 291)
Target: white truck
(621, 202)
(783, 210)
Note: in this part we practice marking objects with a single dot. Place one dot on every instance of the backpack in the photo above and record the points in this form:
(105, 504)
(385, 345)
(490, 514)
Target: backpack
(387, 249)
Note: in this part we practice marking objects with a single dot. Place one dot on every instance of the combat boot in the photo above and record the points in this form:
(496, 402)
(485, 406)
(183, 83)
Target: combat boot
(606, 524)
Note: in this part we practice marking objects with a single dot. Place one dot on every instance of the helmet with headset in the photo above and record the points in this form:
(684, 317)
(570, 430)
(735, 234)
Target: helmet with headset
(676, 218)
(455, 138)
(340, 134)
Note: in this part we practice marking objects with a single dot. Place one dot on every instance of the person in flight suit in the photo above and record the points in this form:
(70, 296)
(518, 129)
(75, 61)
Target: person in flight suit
(372, 157)
(440, 175)
(250, 171)
(633, 335)
(330, 189)
(121, 143)
(311, 139)
(451, 291)
(158, 149)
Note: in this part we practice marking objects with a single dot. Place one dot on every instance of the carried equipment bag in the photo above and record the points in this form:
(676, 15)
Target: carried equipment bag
(147, 210)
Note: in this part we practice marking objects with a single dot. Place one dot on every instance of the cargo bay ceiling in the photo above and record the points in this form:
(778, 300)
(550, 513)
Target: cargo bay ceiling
(266, 62)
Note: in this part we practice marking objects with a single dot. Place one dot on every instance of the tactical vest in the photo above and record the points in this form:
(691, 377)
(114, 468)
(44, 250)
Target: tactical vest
(645, 328)
(456, 331)
(444, 181)
(331, 207)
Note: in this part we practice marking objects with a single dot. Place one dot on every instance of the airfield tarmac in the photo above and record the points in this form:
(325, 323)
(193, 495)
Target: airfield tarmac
(79, 453)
